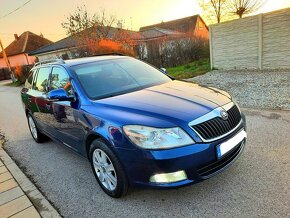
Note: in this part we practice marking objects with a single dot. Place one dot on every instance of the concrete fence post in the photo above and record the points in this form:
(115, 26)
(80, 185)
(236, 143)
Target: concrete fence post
(211, 48)
(260, 50)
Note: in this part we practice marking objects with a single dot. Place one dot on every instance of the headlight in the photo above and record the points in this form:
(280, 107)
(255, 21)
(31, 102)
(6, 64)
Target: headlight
(157, 138)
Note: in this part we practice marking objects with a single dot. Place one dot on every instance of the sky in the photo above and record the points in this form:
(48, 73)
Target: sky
(46, 16)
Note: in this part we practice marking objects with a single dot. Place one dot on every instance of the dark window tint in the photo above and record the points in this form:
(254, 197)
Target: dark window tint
(41, 81)
(60, 79)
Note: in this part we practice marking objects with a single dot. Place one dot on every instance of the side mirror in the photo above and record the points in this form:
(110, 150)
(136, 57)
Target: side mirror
(59, 95)
(163, 70)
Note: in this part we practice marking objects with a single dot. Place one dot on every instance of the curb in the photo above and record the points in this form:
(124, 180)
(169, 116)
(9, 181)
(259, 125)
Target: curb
(44, 208)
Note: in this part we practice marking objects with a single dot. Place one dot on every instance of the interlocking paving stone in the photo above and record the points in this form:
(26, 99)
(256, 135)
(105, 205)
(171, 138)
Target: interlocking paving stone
(3, 169)
(10, 195)
(9, 184)
(14, 206)
(5, 176)
(29, 212)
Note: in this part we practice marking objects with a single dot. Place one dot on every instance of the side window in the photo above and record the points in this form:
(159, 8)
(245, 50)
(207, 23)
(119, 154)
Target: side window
(28, 83)
(60, 79)
(41, 81)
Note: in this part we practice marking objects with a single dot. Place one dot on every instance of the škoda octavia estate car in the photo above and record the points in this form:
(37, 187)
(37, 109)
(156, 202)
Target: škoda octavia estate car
(136, 125)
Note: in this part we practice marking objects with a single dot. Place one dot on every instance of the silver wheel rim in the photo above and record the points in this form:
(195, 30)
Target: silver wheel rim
(32, 127)
(105, 170)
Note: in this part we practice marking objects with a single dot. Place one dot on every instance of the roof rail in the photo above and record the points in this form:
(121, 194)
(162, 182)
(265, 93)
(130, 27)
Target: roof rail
(58, 61)
(108, 53)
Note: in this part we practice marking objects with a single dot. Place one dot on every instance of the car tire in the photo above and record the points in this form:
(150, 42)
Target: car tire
(107, 169)
(34, 130)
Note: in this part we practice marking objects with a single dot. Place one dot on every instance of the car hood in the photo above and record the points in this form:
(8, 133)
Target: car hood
(173, 100)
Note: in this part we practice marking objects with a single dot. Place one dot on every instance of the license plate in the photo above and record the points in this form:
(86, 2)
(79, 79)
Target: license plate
(225, 147)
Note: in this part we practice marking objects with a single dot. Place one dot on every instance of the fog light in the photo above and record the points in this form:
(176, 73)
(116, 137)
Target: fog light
(169, 177)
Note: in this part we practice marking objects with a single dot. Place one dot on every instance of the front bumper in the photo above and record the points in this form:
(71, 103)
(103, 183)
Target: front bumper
(199, 161)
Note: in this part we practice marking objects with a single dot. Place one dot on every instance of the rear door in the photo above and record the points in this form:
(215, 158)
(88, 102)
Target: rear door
(39, 102)
(26, 92)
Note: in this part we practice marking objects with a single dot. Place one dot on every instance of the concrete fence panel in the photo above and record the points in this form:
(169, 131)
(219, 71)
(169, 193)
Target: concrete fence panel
(256, 42)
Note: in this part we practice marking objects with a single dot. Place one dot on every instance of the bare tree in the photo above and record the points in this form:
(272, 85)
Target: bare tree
(81, 20)
(95, 33)
(242, 7)
(213, 8)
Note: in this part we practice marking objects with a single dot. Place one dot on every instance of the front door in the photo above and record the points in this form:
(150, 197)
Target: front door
(64, 116)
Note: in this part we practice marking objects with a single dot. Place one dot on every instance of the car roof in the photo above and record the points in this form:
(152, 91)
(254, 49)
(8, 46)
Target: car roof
(77, 61)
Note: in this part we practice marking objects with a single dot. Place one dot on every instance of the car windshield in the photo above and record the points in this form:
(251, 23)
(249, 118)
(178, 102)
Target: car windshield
(109, 78)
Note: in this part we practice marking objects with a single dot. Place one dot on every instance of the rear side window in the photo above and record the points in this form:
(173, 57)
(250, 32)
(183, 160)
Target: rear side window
(42, 78)
(28, 83)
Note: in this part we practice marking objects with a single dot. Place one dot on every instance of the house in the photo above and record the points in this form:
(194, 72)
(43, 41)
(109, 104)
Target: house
(173, 42)
(65, 49)
(69, 47)
(153, 36)
(17, 51)
(189, 25)
(150, 42)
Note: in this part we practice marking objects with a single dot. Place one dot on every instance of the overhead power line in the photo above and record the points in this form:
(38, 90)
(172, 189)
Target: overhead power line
(21, 6)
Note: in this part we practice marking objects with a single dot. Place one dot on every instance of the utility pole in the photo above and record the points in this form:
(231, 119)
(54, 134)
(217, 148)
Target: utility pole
(7, 62)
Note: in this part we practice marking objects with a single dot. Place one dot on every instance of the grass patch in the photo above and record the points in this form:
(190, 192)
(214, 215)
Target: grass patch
(190, 70)
(14, 84)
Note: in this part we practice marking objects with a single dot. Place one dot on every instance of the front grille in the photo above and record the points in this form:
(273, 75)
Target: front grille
(215, 166)
(216, 127)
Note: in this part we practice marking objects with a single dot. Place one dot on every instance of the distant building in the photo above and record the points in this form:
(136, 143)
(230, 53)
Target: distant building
(188, 25)
(159, 42)
(68, 48)
(150, 42)
(17, 51)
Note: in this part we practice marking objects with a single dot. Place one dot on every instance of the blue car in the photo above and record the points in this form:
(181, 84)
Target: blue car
(136, 125)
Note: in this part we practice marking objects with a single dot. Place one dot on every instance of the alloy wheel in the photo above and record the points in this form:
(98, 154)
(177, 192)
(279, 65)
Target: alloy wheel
(104, 169)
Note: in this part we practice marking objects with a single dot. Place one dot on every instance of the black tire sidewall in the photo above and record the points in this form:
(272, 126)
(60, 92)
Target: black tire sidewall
(122, 181)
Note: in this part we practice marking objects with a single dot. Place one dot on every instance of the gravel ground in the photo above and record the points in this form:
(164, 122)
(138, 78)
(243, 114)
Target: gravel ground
(254, 89)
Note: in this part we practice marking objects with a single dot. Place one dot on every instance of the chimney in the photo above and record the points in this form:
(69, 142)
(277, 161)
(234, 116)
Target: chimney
(16, 36)
(119, 25)
(41, 35)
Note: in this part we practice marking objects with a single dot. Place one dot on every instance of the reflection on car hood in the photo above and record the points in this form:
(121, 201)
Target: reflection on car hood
(176, 99)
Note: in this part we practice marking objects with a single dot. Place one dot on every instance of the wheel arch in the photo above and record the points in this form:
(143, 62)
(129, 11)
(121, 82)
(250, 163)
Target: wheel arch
(90, 138)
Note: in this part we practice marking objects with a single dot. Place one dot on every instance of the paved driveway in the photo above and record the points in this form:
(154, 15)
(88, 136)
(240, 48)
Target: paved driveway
(256, 185)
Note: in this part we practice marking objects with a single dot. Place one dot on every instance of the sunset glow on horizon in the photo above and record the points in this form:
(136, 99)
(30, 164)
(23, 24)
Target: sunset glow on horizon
(40, 16)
